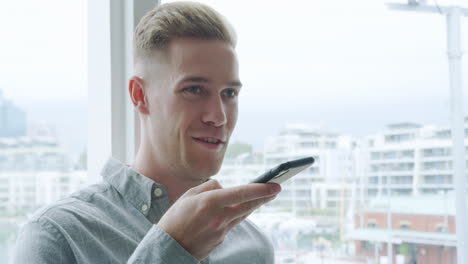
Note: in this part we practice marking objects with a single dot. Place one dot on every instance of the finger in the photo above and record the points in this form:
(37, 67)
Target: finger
(206, 186)
(246, 208)
(235, 222)
(245, 193)
(242, 216)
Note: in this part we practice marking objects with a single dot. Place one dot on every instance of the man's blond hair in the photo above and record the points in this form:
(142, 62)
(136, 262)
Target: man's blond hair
(178, 20)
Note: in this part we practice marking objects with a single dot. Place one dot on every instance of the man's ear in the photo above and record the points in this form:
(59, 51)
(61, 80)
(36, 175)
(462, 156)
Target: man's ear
(138, 94)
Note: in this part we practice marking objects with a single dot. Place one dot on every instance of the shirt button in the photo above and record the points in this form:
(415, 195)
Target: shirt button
(144, 207)
(158, 192)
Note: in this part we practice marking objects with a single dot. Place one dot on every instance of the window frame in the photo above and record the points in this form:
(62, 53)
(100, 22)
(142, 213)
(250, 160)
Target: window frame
(113, 130)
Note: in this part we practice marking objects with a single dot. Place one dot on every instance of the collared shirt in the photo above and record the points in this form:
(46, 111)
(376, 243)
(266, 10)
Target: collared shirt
(115, 222)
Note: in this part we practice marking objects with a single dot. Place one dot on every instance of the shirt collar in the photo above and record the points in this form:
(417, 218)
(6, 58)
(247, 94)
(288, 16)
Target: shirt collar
(133, 186)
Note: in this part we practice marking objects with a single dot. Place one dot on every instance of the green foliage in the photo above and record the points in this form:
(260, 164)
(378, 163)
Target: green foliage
(308, 241)
(404, 249)
(237, 148)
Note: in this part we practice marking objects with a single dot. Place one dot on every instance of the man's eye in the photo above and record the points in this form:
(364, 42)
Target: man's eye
(230, 93)
(193, 90)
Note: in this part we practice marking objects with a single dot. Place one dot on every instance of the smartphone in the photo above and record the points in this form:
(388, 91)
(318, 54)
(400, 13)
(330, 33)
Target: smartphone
(284, 171)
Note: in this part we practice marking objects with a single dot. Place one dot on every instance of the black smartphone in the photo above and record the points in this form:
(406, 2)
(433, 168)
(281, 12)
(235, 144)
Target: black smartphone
(284, 171)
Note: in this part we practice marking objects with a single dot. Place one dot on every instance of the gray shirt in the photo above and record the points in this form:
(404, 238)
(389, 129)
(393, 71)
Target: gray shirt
(114, 222)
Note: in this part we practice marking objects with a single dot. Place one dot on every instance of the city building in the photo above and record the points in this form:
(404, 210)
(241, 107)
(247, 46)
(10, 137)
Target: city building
(409, 159)
(232, 174)
(13, 121)
(422, 229)
(23, 192)
(334, 167)
(34, 171)
(410, 162)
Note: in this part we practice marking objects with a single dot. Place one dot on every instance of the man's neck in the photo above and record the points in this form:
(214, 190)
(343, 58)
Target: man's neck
(176, 185)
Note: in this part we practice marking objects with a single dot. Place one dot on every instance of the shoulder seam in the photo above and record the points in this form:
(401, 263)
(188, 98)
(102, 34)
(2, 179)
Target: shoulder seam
(75, 200)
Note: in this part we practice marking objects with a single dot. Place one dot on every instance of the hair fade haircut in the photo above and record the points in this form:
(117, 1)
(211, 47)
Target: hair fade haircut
(178, 20)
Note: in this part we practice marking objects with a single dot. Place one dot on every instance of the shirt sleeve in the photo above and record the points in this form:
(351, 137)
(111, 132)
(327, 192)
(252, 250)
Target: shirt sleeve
(40, 242)
(159, 247)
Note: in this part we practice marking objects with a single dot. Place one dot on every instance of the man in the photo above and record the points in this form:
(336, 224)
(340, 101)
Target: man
(163, 208)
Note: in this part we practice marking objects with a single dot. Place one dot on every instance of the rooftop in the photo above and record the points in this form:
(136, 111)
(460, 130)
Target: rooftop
(398, 236)
(404, 126)
(439, 204)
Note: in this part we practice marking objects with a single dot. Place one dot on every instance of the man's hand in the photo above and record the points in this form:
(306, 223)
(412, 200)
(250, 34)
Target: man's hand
(201, 217)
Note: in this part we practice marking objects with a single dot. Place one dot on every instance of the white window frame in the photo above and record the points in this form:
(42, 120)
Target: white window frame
(113, 126)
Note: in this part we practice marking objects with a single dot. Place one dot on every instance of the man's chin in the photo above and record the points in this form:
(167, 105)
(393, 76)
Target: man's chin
(208, 172)
(204, 165)
(204, 169)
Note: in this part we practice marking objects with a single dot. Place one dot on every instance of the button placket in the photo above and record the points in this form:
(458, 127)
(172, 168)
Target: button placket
(157, 192)
(144, 208)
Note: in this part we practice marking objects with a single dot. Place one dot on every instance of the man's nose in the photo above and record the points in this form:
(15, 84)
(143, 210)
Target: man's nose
(215, 112)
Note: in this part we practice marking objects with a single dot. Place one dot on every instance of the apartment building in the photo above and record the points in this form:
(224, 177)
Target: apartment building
(409, 159)
(25, 191)
(334, 167)
(418, 233)
(34, 171)
(406, 159)
(320, 186)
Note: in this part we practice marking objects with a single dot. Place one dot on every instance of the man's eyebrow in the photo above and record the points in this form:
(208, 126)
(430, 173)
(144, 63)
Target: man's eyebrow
(195, 79)
(200, 79)
(235, 84)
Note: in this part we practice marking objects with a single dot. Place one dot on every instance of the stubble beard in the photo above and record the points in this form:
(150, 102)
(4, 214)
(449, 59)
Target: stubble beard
(197, 169)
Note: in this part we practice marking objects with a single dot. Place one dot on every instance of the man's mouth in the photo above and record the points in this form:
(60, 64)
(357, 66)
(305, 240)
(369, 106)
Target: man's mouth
(211, 143)
(209, 140)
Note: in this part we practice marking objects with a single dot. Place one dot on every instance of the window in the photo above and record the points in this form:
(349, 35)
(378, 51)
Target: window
(303, 182)
(402, 192)
(372, 246)
(389, 154)
(403, 166)
(311, 66)
(310, 144)
(436, 152)
(371, 223)
(392, 167)
(43, 108)
(372, 192)
(437, 165)
(405, 225)
(444, 134)
(401, 179)
(441, 228)
(373, 180)
(407, 154)
(438, 179)
(314, 170)
(399, 138)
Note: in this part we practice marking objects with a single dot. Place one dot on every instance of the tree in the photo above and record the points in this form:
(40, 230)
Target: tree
(237, 148)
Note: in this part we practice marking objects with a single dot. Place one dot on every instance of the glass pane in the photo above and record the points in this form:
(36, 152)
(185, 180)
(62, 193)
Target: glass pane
(365, 91)
(43, 112)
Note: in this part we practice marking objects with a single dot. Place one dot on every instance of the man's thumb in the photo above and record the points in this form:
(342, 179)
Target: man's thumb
(204, 187)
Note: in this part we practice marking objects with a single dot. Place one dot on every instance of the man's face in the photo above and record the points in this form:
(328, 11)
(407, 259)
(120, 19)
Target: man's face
(193, 106)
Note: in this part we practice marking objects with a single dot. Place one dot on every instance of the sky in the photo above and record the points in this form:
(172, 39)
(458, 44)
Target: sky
(43, 64)
(347, 66)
